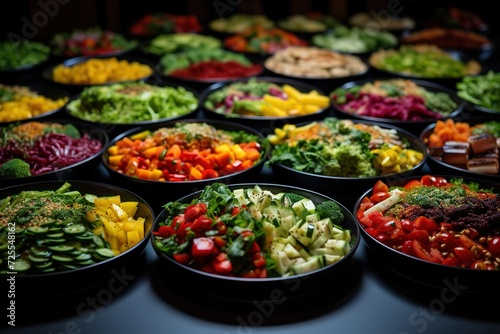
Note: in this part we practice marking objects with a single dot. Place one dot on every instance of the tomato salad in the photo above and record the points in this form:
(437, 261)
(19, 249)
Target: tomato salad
(445, 221)
(185, 152)
(253, 232)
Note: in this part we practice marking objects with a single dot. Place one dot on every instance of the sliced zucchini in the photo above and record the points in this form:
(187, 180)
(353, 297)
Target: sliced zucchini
(75, 229)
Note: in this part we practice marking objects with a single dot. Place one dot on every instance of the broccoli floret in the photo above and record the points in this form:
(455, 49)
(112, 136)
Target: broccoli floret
(15, 168)
(348, 160)
(330, 209)
(290, 198)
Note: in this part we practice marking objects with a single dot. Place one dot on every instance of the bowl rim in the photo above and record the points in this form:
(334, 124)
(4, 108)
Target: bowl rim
(101, 135)
(264, 185)
(406, 133)
(155, 126)
(404, 255)
(95, 185)
(277, 80)
(148, 81)
(426, 84)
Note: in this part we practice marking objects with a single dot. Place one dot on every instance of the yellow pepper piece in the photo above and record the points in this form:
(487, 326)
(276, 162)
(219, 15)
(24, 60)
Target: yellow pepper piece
(141, 135)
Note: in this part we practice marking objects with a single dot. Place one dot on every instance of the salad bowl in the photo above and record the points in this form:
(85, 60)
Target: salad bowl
(123, 106)
(245, 237)
(458, 245)
(340, 157)
(62, 257)
(179, 157)
(410, 104)
(49, 149)
(264, 103)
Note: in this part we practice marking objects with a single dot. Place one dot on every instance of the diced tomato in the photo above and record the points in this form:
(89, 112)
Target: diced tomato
(422, 253)
(183, 258)
(380, 196)
(482, 265)
(451, 261)
(202, 246)
(424, 223)
(379, 186)
(407, 247)
(201, 224)
(413, 183)
(195, 210)
(427, 180)
(209, 174)
(258, 260)
(494, 245)
(407, 225)
(398, 235)
(223, 267)
(164, 231)
(386, 226)
(420, 235)
(372, 231)
(219, 242)
(464, 255)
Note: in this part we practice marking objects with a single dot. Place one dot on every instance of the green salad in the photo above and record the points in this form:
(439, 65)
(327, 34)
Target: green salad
(132, 102)
(18, 54)
(355, 40)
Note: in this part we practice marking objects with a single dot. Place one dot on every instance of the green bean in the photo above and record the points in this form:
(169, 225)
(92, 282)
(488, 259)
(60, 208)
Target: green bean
(482, 90)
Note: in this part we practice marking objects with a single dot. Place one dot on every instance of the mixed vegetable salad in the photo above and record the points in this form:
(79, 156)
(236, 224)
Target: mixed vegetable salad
(164, 23)
(208, 64)
(451, 222)
(89, 42)
(187, 151)
(424, 61)
(398, 99)
(261, 98)
(342, 148)
(355, 40)
(63, 229)
(131, 102)
(261, 40)
(34, 148)
(253, 232)
(180, 42)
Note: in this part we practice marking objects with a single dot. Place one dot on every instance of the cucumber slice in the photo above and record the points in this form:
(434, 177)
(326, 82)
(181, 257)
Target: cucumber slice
(103, 254)
(55, 235)
(62, 248)
(19, 229)
(62, 258)
(44, 265)
(37, 230)
(21, 265)
(75, 229)
(38, 259)
(83, 257)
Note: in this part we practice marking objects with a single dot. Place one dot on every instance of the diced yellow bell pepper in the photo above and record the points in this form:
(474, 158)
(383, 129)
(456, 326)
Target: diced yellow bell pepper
(140, 135)
(113, 150)
(133, 238)
(119, 212)
(114, 160)
(238, 152)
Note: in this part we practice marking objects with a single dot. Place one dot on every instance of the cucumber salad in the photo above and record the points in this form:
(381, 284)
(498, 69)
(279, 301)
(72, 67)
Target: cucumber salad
(253, 232)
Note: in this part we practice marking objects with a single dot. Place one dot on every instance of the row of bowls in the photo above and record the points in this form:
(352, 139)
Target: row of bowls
(408, 265)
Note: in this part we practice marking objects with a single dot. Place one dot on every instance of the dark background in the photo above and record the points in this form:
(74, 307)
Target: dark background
(50, 16)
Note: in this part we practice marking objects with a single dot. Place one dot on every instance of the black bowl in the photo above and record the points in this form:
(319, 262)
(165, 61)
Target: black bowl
(201, 84)
(76, 88)
(325, 81)
(433, 275)
(262, 123)
(115, 128)
(409, 125)
(47, 91)
(74, 171)
(439, 166)
(449, 81)
(158, 192)
(80, 279)
(239, 289)
(347, 189)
